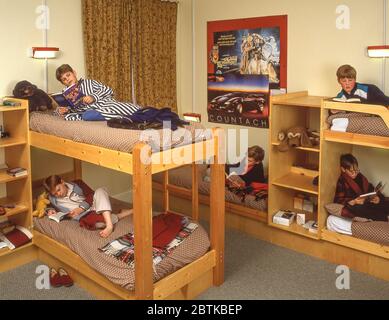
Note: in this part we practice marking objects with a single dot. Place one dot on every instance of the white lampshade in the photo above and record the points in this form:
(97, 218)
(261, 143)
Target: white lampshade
(378, 51)
(44, 52)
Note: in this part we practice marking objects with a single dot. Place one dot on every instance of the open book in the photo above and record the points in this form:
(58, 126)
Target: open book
(350, 100)
(71, 97)
(379, 187)
(57, 217)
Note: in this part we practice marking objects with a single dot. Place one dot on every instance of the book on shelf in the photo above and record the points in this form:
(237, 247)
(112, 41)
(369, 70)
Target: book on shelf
(311, 226)
(16, 238)
(349, 100)
(17, 172)
(378, 188)
(71, 97)
(284, 217)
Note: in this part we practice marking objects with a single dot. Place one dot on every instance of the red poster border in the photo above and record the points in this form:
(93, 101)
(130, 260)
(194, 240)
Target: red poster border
(280, 21)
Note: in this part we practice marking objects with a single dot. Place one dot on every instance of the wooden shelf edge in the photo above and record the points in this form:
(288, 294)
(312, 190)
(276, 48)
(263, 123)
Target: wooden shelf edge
(5, 251)
(355, 243)
(356, 139)
(293, 181)
(300, 148)
(303, 232)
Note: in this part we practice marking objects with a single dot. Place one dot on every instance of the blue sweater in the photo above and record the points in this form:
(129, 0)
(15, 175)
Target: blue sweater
(367, 93)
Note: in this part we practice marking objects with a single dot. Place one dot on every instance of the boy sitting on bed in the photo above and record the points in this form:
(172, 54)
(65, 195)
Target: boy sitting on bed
(366, 93)
(98, 102)
(250, 170)
(351, 184)
(69, 197)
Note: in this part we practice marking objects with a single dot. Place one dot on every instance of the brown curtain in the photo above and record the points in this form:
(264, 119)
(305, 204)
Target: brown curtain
(106, 25)
(153, 35)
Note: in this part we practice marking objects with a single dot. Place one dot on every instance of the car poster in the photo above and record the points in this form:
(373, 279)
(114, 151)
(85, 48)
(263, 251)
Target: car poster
(246, 58)
(239, 100)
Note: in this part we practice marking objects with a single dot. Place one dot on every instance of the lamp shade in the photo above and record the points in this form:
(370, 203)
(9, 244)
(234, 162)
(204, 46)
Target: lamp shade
(44, 52)
(378, 51)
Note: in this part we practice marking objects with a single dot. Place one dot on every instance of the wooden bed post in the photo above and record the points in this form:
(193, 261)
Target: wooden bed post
(217, 205)
(165, 191)
(195, 192)
(77, 169)
(142, 203)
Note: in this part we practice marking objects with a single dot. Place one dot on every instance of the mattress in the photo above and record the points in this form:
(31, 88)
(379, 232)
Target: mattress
(86, 244)
(99, 134)
(361, 123)
(182, 177)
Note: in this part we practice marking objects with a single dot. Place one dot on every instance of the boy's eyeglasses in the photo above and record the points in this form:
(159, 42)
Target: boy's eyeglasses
(353, 170)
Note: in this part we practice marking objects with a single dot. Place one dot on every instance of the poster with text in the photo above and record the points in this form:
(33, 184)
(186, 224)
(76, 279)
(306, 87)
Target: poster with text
(245, 55)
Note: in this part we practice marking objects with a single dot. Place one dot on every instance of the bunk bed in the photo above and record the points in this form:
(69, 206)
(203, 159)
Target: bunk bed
(186, 282)
(181, 183)
(335, 143)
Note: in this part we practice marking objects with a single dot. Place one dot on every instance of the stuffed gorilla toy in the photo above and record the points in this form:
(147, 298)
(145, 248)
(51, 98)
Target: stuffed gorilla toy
(38, 100)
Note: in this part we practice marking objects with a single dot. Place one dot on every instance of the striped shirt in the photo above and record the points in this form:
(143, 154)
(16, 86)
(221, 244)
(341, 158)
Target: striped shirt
(104, 102)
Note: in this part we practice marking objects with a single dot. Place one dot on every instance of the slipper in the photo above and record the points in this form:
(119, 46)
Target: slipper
(65, 278)
(55, 279)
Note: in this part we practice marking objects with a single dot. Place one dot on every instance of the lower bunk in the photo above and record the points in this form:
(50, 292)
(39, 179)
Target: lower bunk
(187, 283)
(110, 273)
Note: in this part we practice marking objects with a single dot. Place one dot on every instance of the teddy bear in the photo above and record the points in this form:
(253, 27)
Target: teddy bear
(38, 100)
(41, 205)
(294, 137)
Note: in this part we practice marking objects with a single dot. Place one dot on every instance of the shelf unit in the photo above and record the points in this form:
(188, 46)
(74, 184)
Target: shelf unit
(287, 176)
(16, 150)
(333, 145)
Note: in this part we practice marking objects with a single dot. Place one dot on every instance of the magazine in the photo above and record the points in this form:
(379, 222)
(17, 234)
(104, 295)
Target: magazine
(71, 97)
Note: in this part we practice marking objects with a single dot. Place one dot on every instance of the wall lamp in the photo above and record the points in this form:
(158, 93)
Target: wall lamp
(43, 52)
(378, 51)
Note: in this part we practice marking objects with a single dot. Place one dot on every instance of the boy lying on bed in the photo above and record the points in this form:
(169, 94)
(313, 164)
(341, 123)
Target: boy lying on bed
(351, 185)
(69, 197)
(97, 103)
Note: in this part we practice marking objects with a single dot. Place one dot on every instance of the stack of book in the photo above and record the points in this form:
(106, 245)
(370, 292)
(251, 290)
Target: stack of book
(17, 172)
(284, 217)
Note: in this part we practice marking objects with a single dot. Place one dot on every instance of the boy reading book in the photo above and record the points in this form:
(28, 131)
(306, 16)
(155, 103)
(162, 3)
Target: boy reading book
(97, 101)
(351, 185)
(366, 93)
(69, 199)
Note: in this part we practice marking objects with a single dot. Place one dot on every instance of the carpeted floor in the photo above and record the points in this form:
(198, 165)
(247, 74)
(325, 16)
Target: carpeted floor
(254, 270)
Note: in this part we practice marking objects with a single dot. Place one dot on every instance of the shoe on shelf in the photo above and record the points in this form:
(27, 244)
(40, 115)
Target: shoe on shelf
(55, 279)
(65, 278)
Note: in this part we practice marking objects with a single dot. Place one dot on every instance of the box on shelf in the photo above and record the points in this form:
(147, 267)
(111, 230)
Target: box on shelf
(284, 217)
(300, 219)
(303, 202)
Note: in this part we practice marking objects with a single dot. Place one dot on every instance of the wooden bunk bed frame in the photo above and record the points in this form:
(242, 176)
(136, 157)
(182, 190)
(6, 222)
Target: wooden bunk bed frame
(344, 142)
(185, 283)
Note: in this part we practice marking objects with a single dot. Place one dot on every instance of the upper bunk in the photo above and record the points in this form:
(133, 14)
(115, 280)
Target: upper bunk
(117, 149)
(359, 124)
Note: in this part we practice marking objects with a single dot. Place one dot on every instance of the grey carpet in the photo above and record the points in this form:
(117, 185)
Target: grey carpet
(254, 270)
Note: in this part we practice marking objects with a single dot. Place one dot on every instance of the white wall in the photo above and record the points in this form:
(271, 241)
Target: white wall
(315, 49)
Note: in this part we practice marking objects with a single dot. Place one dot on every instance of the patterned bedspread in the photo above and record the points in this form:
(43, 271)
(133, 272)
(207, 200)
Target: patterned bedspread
(87, 243)
(362, 123)
(99, 134)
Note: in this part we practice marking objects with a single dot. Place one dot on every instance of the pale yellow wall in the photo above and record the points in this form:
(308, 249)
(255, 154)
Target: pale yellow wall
(18, 32)
(315, 47)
